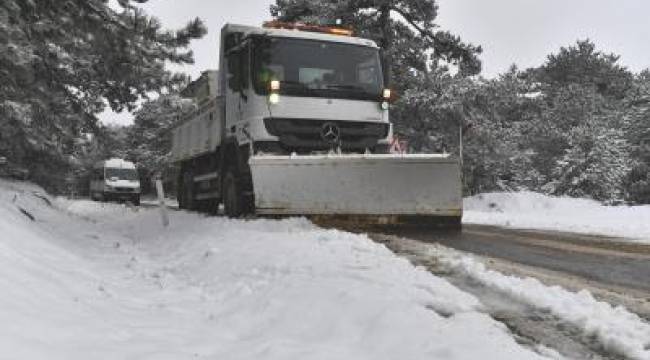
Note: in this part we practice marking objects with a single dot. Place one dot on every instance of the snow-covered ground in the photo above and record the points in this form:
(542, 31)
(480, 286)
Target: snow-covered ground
(103, 281)
(527, 210)
(615, 328)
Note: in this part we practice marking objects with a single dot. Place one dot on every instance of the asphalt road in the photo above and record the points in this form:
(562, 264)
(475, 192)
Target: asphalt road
(607, 261)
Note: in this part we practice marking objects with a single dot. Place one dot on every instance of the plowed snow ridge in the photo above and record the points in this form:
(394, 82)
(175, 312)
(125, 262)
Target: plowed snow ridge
(527, 210)
(615, 328)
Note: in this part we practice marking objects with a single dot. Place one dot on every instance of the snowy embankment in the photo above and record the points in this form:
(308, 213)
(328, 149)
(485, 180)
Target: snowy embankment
(102, 281)
(615, 328)
(527, 210)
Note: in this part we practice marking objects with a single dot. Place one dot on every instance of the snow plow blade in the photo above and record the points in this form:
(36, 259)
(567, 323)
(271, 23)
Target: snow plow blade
(413, 189)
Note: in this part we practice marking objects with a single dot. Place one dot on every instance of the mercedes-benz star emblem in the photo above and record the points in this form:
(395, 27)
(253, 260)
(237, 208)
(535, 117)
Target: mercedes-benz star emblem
(330, 132)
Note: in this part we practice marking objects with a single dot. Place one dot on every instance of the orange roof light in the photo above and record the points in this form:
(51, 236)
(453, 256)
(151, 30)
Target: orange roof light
(339, 31)
(307, 27)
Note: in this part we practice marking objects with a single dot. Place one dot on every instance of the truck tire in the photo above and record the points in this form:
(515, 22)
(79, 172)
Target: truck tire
(212, 206)
(136, 200)
(232, 196)
(235, 202)
(187, 192)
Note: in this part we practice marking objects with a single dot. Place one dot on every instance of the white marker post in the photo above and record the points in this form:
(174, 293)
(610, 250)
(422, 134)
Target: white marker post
(161, 201)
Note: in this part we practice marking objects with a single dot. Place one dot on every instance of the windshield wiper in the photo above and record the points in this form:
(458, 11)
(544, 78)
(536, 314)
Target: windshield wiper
(293, 83)
(345, 87)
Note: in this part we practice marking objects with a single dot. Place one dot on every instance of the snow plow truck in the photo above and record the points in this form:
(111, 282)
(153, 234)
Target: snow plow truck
(296, 123)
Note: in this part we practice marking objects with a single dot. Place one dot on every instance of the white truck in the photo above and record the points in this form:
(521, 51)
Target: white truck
(297, 123)
(115, 179)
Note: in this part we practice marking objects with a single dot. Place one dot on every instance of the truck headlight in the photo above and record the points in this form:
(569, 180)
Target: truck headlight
(385, 105)
(274, 98)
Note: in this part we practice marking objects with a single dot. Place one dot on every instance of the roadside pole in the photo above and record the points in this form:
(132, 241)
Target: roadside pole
(161, 201)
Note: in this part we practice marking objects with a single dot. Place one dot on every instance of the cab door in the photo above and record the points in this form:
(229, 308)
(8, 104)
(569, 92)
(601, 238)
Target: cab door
(237, 90)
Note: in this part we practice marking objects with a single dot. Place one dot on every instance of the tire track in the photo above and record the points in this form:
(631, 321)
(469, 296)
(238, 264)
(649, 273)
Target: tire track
(529, 325)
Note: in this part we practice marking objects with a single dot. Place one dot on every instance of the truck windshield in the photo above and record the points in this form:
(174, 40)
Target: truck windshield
(317, 68)
(121, 174)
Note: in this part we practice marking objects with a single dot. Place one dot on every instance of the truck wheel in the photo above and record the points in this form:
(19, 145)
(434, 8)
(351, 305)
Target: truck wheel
(188, 192)
(136, 200)
(232, 197)
(212, 206)
(179, 193)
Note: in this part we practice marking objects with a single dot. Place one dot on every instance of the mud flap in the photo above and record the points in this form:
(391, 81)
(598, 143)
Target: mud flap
(387, 188)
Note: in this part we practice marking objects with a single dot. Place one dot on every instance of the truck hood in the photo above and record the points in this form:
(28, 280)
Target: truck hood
(328, 109)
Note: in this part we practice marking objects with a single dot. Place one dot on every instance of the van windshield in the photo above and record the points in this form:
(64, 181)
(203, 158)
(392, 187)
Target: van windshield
(121, 174)
(317, 68)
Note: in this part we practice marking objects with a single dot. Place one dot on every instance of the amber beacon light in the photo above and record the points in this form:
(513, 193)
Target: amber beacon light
(308, 27)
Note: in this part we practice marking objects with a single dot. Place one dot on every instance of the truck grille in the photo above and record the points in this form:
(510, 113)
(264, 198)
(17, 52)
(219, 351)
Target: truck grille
(305, 134)
(123, 189)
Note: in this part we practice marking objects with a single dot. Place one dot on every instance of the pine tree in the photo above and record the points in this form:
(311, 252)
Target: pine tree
(594, 165)
(61, 62)
(637, 129)
(149, 138)
(583, 64)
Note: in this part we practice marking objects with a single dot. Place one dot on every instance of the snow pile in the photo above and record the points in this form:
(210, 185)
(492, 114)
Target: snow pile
(95, 211)
(114, 284)
(617, 329)
(536, 211)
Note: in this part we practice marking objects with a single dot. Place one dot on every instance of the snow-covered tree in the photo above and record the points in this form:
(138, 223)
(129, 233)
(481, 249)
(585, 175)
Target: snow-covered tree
(637, 128)
(583, 64)
(149, 138)
(594, 165)
(498, 154)
(61, 62)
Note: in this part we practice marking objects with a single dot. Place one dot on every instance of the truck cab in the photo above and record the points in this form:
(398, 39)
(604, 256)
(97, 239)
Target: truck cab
(115, 179)
(294, 91)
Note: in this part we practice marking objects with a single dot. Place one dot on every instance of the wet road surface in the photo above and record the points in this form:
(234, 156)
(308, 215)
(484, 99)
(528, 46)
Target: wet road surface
(600, 259)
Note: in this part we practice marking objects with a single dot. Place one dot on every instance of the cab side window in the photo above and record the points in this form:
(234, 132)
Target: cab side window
(244, 57)
(239, 68)
(234, 69)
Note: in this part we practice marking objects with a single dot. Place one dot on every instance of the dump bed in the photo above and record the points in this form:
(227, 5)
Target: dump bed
(198, 133)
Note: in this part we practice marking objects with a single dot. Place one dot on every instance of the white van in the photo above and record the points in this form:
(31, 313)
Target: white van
(115, 179)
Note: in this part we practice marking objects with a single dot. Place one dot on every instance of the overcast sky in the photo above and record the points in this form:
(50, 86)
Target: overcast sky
(523, 32)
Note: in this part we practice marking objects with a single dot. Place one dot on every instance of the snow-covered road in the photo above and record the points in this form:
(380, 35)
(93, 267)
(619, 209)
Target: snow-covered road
(102, 281)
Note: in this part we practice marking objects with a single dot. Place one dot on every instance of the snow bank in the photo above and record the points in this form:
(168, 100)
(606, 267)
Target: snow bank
(536, 211)
(618, 330)
(114, 284)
